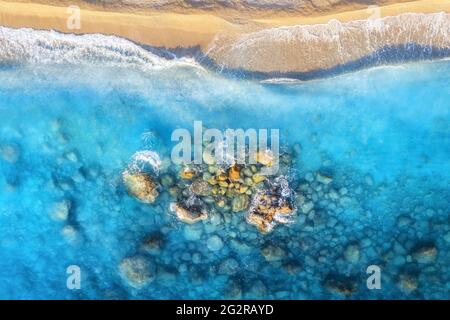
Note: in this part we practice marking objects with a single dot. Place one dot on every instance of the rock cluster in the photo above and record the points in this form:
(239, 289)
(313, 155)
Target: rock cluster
(272, 205)
(200, 189)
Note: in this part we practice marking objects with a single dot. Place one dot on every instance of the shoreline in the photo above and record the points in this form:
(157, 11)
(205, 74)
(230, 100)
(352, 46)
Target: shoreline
(281, 44)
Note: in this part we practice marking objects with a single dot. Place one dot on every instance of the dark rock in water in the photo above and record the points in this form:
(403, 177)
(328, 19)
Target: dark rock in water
(340, 284)
(408, 282)
(137, 271)
(425, 252)
(291, 267)
(153, 243)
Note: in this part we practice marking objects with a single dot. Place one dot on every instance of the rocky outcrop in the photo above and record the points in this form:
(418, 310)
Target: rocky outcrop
(141, 186)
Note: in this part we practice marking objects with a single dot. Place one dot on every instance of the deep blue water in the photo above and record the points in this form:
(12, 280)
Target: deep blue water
(383, 135)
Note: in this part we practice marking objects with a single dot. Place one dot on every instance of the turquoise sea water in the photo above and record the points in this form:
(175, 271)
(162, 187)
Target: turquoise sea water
(67, 132)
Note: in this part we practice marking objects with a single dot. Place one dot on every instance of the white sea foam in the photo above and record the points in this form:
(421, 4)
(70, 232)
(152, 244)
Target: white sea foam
(282, 81)
(50, 47)
(145, 160)
(319, 46)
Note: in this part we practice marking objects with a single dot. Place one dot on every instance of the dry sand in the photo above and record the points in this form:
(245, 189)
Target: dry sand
(211, 29)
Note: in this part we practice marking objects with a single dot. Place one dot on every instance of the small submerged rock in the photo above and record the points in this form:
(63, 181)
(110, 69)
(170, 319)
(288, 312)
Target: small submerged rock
(324, 179)
(69, 233)
(141, 186)
(408, 282)
(291, 267)
(273, 253)
(188, 215)
(193, 232)
(340, 284)
(167, 181)
(61, 210)
(234, 173)
(137, 271)
(240, 203)
(307, 207)
(9, 153)
(200, 187)
(233, 291)
(187, 173)
(352, 253)
(153, 243)
(266, 158)
(425, 252)
(214, 243)
(72, 156)
(229, 267)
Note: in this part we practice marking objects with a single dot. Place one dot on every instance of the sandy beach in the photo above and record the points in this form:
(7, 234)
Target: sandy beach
(224, 35)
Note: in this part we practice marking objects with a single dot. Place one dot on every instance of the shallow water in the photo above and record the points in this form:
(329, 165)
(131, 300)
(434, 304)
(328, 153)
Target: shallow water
(383, 135)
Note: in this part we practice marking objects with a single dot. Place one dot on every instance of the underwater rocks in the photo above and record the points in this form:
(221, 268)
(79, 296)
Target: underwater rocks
(201, 187)
(324, 179)
(61, 210)
(239, 203)
(188, 215)
(141, 186)
(70, 233)
(193, 232)
(214, 243)
(203, 190)
(272, 206)
(425, 252)
(229, 267)
(153, 243)
(9, 153)
(273, 253)
(352, 253)
(340, 284)
(408, 282)
(187, 173)
(265, 158)
(137, 271)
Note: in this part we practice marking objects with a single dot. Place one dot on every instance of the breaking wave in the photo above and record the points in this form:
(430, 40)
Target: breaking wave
(304, 48)
(145, 161)
(27, 45)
